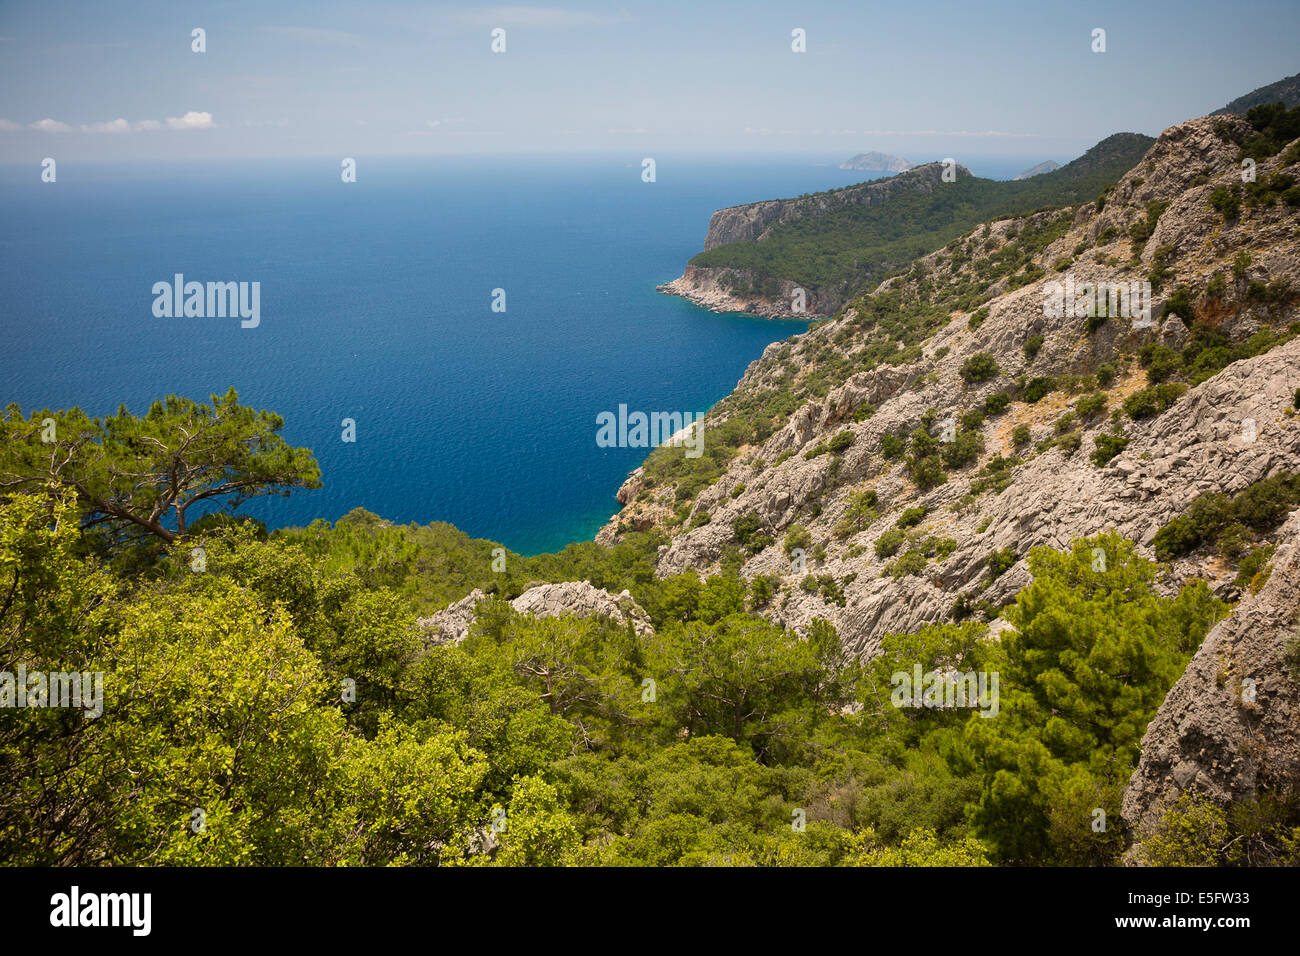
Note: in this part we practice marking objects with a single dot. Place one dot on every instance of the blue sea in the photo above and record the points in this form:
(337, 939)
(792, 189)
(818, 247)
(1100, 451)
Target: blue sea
(376, 306)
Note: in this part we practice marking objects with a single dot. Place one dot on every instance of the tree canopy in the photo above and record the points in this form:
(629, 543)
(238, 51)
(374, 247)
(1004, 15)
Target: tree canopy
(144, 474)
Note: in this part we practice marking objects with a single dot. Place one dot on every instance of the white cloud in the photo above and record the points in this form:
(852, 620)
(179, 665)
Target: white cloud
(191, 120)
(112, 126)
(6, 125)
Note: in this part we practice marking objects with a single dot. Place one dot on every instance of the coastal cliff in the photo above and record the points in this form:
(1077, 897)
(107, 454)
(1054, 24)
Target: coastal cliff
(729, 289)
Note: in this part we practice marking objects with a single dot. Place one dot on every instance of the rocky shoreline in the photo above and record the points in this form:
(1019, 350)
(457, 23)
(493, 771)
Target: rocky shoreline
(706, 288)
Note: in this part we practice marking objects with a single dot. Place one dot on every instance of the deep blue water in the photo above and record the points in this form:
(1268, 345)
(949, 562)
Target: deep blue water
(375, 306)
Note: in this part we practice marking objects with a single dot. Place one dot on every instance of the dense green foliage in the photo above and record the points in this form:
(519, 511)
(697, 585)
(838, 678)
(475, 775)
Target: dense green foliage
(141, 475)
(278, 705)
(1227, 521)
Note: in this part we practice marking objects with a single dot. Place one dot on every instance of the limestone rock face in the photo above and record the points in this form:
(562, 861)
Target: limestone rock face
(452, 624)
(585, 600)
(1230, 727)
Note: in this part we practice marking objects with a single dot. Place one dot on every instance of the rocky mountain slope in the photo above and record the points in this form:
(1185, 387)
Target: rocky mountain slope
(1230, 727)
(990, 507)
(895, 465)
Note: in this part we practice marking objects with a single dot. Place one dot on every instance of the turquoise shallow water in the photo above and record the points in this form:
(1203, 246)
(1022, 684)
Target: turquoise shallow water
(376, 306)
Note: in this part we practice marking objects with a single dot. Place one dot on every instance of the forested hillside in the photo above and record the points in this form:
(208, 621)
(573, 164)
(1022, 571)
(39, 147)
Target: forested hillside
(848, 248)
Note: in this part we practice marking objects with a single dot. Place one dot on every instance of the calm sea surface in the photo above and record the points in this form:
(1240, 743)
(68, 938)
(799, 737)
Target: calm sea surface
(376, 306)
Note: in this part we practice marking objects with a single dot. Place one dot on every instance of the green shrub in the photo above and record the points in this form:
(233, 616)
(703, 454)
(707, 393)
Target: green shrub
(963, 450)
(912, 516)
(1233, 540)
(927, 472)
(797, 537)
(1105, 374)
(1141, 230)
(997, 403)
(840, 442)
(1107, 446)
(994, 476)
(1214, 516)
(1020, 435)
(861, 511)
(1252, 565)
(1032, 346)
(911, 562)
(887, 544)
(1160, 361)
(1091, 406)
(892, 447)
(1000, 562)
(1227, 201)
(1180, 304)
(980, 367)
(1153, 400)
(747, 529)
(1037, 388)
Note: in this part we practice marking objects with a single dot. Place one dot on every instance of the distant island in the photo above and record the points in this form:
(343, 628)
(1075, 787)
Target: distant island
(877, 163)
(1041, 168)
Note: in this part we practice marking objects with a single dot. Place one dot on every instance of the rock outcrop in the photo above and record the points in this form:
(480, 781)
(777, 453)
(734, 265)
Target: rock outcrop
(580, 598)
(1230, 728)
(451, 625)
(584, 600)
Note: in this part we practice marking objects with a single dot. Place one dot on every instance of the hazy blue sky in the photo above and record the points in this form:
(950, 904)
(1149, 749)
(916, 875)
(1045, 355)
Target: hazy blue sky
(110, 80)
